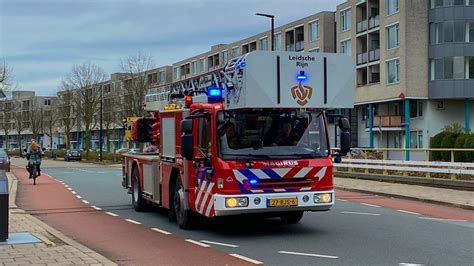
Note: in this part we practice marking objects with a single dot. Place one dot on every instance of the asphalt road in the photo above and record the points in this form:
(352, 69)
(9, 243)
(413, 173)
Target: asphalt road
(350, 234)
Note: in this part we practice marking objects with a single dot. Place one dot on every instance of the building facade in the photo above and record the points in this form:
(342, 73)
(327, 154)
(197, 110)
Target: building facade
(399, 101)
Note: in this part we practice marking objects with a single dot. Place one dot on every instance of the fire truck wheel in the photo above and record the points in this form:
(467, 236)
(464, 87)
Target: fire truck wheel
(186, 219)
(137, 200)
(291, 217)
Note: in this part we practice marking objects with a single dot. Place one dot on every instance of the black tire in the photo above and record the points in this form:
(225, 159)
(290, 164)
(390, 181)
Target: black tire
(34, 174)
(185, 219)
(291, 217)
(137, 200)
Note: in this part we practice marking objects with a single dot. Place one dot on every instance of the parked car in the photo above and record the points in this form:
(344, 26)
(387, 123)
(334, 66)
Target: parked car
(134, 150)
(121, 150)
(4, 161)
(72, 155)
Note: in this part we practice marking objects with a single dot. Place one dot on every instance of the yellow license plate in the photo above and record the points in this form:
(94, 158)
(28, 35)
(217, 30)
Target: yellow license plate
(282, 202)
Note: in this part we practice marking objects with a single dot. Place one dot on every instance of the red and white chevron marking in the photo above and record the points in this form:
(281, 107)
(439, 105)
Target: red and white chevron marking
(204, 203)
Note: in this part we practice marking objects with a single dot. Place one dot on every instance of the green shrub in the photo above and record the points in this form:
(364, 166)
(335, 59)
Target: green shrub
(454, 128)
(448, 143)
(60, 153)
(113, 157)
(436, 143)
(460, 156)
(469, 144)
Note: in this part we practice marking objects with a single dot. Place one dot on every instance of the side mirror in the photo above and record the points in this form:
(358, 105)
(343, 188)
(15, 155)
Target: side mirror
(186, 126)
(345, 136)
(187, 146)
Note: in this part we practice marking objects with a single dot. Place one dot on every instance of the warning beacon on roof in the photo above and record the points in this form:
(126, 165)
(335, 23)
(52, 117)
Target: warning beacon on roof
(291, 80)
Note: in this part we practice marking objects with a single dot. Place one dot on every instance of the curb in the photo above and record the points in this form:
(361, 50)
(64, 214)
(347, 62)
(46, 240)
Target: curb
(52, 231)
(466, 207)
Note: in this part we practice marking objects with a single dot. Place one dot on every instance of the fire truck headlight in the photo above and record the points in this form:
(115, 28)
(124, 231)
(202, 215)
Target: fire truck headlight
(322, 198)
(237, 202)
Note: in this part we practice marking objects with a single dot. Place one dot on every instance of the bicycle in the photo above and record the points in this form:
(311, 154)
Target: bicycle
(34, 172)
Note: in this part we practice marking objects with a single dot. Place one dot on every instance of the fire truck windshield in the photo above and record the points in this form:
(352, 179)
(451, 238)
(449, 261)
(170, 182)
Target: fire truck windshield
(272, 135)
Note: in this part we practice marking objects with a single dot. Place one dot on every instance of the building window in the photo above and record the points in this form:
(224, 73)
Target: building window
(393, 6)
(470, 31)
(264, 44)
(346, 18)
(470, 67)
(315, 50)
(47, 102)
(162, 76)
(277, 41)
(225, 56)
(314, 31)
(416, 108)
(235, 52)
(194, 67)
(393, 71)
(202, 65)
(176, 73)
(346, 47)
(393, 36)
(416, 139)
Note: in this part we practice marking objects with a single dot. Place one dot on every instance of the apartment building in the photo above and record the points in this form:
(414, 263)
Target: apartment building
(314, 33)
(400, 100)
(23, 116)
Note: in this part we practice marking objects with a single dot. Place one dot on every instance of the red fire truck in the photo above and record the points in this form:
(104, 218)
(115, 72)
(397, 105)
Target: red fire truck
(251, 137)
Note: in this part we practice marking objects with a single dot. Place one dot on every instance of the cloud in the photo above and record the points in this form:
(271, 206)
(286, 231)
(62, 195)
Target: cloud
(42, 40)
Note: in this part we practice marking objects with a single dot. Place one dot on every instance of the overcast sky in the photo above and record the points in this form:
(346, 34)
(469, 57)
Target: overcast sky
(43, 39)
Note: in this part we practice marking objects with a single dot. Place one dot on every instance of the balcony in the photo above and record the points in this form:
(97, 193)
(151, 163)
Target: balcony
(362, 58)
(374, 55)
(374, 22)
(386, 121)
(362, 26)
(299, 46)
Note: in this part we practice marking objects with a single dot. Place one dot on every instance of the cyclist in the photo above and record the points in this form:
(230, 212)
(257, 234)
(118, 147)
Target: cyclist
(33, 155)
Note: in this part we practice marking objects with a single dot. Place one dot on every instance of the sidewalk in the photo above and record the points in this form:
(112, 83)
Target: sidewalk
(457, 198)
(56, 248)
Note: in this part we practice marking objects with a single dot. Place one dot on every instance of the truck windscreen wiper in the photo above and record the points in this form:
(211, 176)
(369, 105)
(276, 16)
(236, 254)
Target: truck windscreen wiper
(264, 156)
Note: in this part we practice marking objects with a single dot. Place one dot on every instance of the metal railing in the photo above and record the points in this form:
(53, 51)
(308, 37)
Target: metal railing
(290, 47)
(374, 55)
(299, 46)
(362, 58)
(374, 22)
(362, 26)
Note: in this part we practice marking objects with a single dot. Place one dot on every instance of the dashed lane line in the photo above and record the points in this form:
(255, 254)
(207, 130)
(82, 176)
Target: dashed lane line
(246, 259)
(132, 221)
(409, 212)
(409, 264)
(111, 214)
(362, 213)
(79, 197)
(70, 189)
(341, 199)
(161, 231)
(85, 201)
(308, 254)
(219, 244)
(197, 243)
(370, 205)
(73, 192)
(441, 219)
(97, 208)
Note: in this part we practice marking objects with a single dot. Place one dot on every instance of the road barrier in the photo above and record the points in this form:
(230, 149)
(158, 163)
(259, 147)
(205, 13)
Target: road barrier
(416, 154)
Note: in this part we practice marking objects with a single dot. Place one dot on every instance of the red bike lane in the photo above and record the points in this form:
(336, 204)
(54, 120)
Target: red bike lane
(113, 237)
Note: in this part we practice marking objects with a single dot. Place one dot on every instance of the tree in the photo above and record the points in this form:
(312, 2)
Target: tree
(6, 120)
(110, 114)
(6, 78)
(51, 121)
(65, 114)
(36, 113)
(85, 81)
(135, 84)
(20, 116)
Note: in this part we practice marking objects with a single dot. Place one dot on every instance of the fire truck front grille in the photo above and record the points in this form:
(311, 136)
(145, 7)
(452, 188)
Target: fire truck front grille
(284, 183)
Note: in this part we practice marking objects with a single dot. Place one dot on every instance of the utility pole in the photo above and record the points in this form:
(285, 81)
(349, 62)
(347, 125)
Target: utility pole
(100, 121)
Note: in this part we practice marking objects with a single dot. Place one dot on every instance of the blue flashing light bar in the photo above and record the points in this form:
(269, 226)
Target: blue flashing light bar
(301, 76)
(253, 181)
(214, 94)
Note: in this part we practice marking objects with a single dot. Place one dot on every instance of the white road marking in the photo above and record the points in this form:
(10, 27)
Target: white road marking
(85, 201)
(97, 208)
(410, 264)
(197, 243)
(65, 185)
(78, 196)
(370, 205)
(112, 214)
(132, 221)
(161, 231)
(362, 213)
(73, 192)
(309, 254)
(441, 219)
(220, 244)
(415, 213)
(341, 199)
(69, 188)
(246, 259)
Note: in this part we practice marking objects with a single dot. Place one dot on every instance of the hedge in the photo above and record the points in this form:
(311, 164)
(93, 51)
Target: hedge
(448, 142)
(436, 143)
(460, 156)
(469, 144)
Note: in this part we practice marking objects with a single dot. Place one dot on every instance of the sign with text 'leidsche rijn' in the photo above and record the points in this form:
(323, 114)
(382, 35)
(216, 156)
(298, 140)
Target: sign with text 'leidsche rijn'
(294, 80)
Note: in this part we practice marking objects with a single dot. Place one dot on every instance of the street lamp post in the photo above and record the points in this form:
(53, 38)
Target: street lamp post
(273, 27)
(100, 122)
